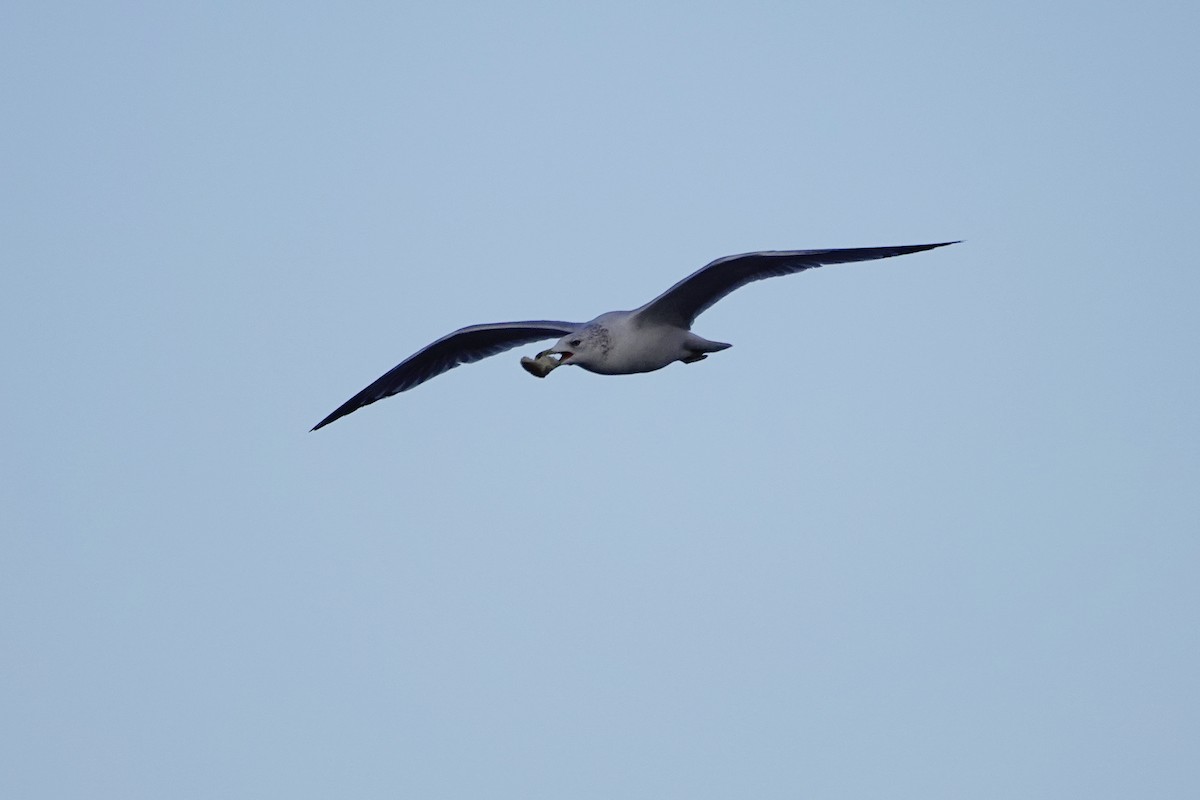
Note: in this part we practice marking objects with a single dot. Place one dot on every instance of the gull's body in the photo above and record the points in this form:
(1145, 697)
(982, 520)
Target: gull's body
(618, 342)
(625, 342)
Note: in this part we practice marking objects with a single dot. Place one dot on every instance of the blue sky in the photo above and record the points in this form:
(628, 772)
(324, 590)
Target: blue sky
(929, 529)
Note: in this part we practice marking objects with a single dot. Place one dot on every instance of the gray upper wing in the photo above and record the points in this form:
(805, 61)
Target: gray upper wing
(464, 346)
(683, 302)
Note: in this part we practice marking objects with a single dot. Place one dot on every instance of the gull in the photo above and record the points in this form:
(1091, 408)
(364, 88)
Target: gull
(618, 342)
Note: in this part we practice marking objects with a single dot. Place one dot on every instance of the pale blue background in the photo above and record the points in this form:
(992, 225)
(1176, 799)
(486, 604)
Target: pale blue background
(929, 530)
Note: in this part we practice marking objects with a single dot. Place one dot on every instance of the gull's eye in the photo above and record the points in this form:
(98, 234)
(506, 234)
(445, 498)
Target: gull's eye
(576, 342)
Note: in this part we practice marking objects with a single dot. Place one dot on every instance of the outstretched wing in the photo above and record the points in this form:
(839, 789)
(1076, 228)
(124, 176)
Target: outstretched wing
(683, 302)
(464, 346)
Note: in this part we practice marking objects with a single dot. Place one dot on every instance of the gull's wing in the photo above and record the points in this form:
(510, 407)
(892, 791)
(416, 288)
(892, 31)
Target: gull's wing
(683, 302)
(464, 346)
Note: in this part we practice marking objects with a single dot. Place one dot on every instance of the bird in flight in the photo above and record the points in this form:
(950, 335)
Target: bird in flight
(618, 342)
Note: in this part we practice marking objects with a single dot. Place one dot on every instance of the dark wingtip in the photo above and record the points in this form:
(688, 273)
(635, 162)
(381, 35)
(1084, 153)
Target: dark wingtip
(340, 412)
(920, 248)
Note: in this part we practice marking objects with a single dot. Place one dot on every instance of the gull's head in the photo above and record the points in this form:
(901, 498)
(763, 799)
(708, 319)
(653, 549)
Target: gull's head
(567, 347)
(586, 347)
(581, 348)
